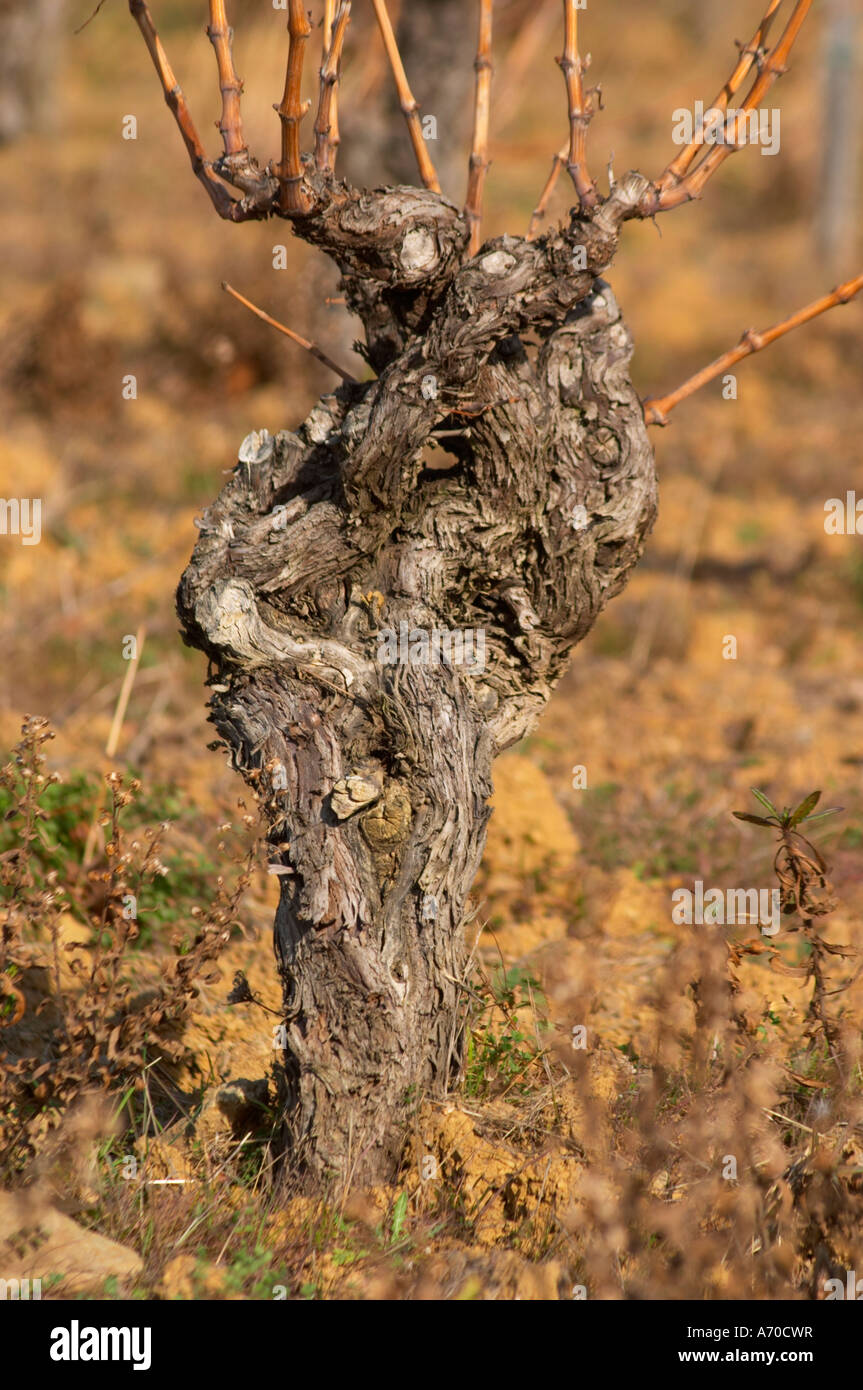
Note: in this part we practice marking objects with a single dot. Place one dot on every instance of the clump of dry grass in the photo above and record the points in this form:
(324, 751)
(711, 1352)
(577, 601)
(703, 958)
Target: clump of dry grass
(732, 1164)
(69, 1027)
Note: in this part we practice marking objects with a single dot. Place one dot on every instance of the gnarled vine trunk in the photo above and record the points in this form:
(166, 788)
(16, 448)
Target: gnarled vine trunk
(325, 568)
(339, 574)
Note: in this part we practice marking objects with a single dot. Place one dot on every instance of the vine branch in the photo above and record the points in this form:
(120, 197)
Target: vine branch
(407, 100)
(581, 108)
(656, 408)
(479, 160)
(672, 189)
(327, 122)
(292, 197)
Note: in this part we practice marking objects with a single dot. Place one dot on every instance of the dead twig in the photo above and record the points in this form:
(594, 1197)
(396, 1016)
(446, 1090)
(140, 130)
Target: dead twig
(289, 333)
(539, 211)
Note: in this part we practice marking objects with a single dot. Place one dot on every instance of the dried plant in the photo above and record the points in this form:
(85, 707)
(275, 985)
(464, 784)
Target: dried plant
(806, 892)
(69, 1028)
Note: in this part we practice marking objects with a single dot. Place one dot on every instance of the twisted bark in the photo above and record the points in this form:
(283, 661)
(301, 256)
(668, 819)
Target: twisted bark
(331, 557)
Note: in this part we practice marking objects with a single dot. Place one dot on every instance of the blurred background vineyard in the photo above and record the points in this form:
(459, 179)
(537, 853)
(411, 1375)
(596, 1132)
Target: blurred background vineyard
(111, 265)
